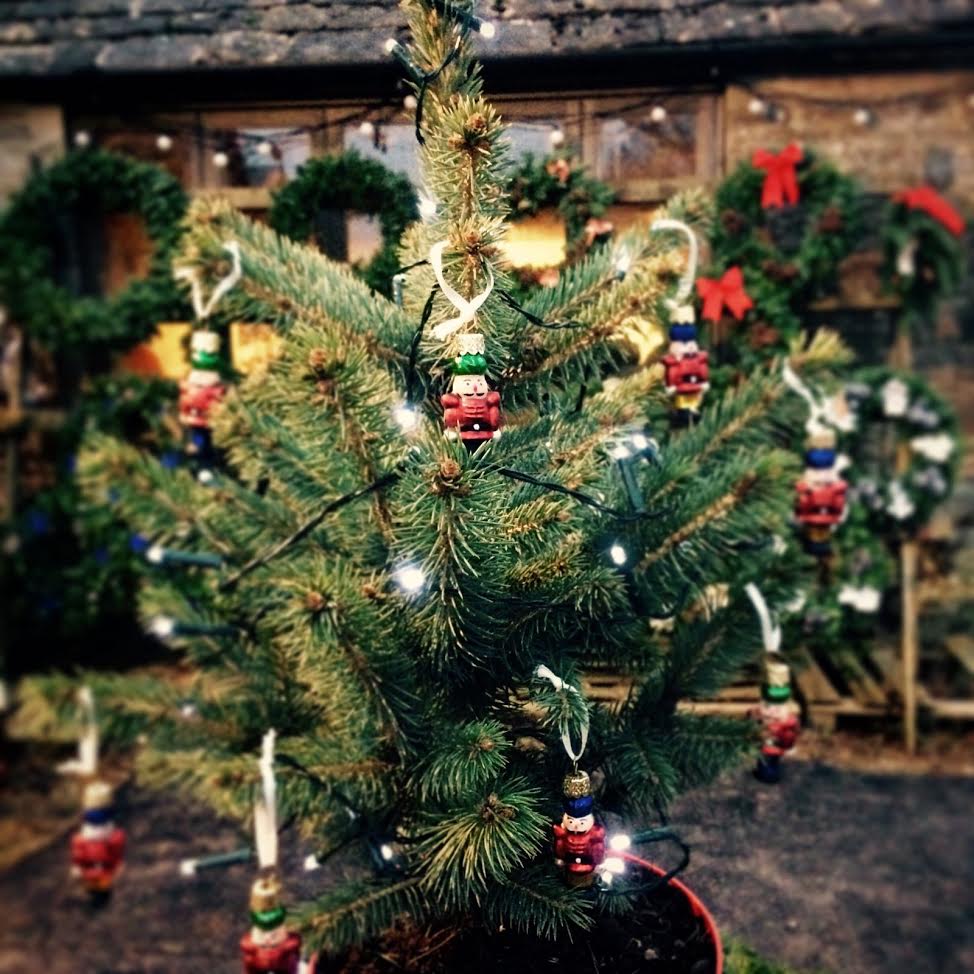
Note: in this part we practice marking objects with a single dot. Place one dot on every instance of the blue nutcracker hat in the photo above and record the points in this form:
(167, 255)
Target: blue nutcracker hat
(578, 807)
(683, 332)
(820, 458)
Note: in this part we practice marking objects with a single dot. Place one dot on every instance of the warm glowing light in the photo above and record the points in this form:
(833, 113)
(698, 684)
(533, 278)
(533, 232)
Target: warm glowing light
(618, 555)
(657, 115)
(620, 843)
(614, 865)
(162, 626)
(557, 138)
(221, 160)
(156, 554)
(406, 417)
(410, 578)
(164, 142)
(390, 45)
(487, 29)
(82, 139)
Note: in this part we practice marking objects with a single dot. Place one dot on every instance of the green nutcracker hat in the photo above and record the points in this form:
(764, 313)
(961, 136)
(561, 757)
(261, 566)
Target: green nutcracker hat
(470, 365)
(470, 360)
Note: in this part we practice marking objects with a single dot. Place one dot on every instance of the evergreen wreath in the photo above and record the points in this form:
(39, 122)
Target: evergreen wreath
(34, 225)
(789, 255)
(558, 181)
(349, 182)
(922, 227)
(895, 410)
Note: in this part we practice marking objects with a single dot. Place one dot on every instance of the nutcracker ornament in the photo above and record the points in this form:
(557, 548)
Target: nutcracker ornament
(268, 947)
(686, 367)
(687, 370)
(98, 847)
(778, 716)
(820, 496)
(579, 840)
(203, 388)
(199, 393)
(471, 411)
(777, 712)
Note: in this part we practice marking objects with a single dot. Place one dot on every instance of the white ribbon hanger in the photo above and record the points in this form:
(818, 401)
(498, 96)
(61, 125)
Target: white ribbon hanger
(203, 309)
(265, 806)
(466, 308)
(770, 631)
(86, 763)
(690, 274)
(559, 684)
(817, 410)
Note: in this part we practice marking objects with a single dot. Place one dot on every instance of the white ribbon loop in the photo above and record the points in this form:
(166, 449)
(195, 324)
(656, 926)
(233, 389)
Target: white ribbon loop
(690, 274)
(817, 411)
(203, 309)
(265, 806)
(86, 763)
(466, 308)
(770, 631)
(559, 684)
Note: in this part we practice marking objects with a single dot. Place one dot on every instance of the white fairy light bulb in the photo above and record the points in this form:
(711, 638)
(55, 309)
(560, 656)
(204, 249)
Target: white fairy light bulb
(618, 555)
(406, 417)
(640, 441)
(623, 263)
(390, 45)
(164, 142)
(556, 137)
(221, 160)
(264, 148)
(620, 843)
(658, 114)
(410, 103)
(387, 852)
(366, 128)
(614, 865)
(757, 106)
(863, 116)
(488, 30)
(82, 139)
(410, 578)
(311, 863)
(156, 554)
(162, 626)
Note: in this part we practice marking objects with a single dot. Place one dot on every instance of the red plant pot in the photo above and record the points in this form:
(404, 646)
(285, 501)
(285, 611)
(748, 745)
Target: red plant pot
(696, 907)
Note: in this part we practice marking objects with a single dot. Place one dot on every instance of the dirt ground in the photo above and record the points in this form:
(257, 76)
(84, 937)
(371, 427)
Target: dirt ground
(835, 870)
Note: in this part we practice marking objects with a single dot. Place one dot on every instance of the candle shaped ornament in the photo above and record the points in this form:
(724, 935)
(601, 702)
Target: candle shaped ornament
(199, 392)
(820, 494)
(471, 411)
(778, 716)
(98, 847)
(579, 840)
(687, 369)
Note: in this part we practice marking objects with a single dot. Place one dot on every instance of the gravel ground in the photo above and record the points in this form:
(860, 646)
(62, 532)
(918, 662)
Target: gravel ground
(833, 870)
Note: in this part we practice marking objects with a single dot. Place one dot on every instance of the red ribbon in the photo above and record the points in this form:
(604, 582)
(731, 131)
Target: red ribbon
(780, 178)
(926, 198)
(728, 291)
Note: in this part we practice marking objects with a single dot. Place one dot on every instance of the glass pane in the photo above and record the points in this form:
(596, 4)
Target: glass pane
(392, 144)
(657, 140)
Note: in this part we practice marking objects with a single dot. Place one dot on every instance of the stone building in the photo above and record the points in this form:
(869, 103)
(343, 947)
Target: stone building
(884, 87)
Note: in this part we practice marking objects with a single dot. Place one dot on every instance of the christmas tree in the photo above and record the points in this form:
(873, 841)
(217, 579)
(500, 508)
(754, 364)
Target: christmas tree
(411, 607)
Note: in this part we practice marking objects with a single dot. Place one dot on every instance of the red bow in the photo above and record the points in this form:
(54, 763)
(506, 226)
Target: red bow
(780, 179)
(926, 198)
(729, 291)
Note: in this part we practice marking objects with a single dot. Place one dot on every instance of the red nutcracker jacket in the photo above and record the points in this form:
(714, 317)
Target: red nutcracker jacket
(282, 958)
(781, 736)
(98, 860)
(476, 418)
(580, 851)
(688, 374)
(820, 504)
(196, 401)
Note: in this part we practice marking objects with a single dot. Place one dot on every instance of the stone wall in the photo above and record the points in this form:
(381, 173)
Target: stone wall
(29, 135)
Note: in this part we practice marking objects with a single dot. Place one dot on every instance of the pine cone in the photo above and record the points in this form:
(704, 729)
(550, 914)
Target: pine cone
(831, 220)
(732, 222)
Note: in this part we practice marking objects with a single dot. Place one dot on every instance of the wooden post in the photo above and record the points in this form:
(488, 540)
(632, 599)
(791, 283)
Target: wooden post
(902, 358)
